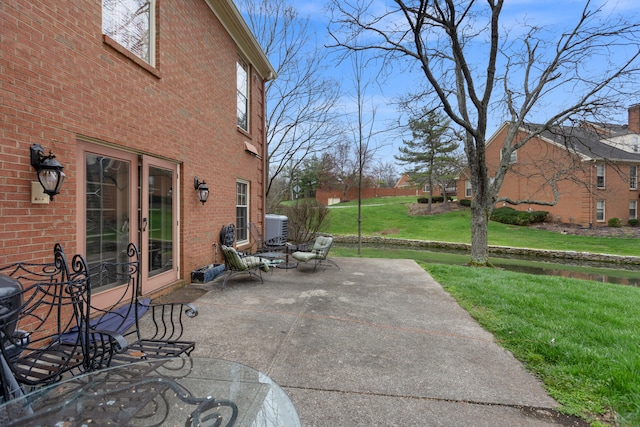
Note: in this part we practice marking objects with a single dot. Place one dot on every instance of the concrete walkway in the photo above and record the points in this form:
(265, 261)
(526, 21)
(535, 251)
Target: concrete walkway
(376, 343)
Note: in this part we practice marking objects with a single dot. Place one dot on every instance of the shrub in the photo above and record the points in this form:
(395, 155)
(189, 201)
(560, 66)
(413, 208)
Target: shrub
(305, 218)
(507, 215)
(434, 199)
(539, 216)
(465, 202)
(633, 222)
(614, 222)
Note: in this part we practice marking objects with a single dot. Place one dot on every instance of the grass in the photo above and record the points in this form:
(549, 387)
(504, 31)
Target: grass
(581, 338)
(389, 217)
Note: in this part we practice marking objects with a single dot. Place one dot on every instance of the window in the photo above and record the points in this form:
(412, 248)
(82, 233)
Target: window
(467, 188)
(633, 209)
(513, 157)
(131, 24)
(600, 210)
(242, 211)
(633, 177)
(243, 95)
(600, 176)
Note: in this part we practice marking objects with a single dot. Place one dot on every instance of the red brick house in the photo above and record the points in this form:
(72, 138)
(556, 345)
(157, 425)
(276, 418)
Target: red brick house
(135, 104)
(598, 184)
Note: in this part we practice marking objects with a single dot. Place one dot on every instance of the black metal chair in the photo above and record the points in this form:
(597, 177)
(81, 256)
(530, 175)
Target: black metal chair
(155, 335)
(47, 301)
(234, 263)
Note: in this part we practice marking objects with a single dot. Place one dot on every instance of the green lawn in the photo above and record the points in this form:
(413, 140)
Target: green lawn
(389, 217)
(581, 338)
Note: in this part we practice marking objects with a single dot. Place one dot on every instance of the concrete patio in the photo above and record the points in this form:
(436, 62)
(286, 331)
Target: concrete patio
(376, 343)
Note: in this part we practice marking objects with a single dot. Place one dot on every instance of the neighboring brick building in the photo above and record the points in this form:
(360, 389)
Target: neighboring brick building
(134, 104)
(601, 184)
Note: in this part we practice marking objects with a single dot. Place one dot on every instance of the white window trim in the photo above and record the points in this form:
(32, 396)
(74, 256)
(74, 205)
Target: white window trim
(604, 210)
(247, 206)
(244, 65)
(633, 203)
(633, 178)
(604, 175)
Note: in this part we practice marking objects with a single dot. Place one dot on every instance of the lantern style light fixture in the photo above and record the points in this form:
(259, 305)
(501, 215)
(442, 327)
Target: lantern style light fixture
(202, 189)
(48, 169)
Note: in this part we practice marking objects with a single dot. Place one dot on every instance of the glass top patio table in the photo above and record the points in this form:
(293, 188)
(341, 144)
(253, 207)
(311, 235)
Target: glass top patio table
(169, 392)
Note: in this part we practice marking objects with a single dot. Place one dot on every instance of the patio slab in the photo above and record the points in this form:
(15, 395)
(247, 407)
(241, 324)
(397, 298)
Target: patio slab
(374, 343)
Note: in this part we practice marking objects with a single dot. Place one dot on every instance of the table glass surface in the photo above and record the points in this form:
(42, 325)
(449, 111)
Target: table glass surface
(170, 392)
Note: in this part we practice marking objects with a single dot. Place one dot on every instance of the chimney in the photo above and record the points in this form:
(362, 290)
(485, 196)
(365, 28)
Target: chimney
(634, 119)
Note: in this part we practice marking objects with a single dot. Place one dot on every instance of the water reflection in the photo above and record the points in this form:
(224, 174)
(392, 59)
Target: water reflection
(609, 277)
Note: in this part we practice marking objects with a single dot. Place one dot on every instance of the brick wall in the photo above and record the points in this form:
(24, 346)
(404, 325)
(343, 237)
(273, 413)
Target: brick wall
(61, 82)
(578, 196)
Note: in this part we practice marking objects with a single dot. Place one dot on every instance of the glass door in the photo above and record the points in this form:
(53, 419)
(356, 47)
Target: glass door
(158, 223)
(109, 207)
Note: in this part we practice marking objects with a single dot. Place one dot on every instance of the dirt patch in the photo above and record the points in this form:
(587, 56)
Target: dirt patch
(436, 208)
(389, 231)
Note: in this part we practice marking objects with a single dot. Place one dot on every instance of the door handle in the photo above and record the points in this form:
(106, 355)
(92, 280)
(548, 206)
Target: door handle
(144, 224)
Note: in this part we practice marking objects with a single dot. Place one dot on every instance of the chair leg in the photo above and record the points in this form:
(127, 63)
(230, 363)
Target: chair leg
(224, 283)
(332, 263)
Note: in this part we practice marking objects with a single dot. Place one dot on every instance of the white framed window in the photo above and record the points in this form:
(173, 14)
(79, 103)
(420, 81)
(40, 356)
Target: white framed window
(633, 177)
(242, 211)
(513, 157)
(633, 209)
(242, 77)
(131, 23)
(600, 213)
(600, 175)
(467, 188)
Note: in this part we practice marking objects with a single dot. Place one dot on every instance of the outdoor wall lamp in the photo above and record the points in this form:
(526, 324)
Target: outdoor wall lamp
(202, 189)
(48, 169)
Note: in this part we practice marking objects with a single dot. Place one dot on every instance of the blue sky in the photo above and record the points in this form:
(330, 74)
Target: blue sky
(553, 16)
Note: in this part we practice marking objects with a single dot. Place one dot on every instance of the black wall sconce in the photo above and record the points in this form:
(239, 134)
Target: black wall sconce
(202, 189)
(48, 169)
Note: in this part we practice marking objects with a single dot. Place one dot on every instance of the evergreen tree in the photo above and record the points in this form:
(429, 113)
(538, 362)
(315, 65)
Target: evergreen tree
(431, 152)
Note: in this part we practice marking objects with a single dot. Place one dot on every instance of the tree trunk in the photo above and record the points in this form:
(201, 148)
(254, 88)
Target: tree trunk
(480, 214)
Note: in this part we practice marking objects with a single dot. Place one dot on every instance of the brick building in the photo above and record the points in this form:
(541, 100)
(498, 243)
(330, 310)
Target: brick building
(135, 104)
(599, 182)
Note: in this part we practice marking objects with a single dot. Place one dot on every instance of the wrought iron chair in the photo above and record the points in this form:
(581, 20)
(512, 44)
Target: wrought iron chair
(236, 264)
(46, 301)
(155, 335)
(262, 245)
(318, 253)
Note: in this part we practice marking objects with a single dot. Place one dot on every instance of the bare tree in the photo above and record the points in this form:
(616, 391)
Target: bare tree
(472, 66)
(384, 174)
(300, 102)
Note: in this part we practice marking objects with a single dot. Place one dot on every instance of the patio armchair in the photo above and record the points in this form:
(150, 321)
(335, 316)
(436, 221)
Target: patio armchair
(234, 263)
(318, 253)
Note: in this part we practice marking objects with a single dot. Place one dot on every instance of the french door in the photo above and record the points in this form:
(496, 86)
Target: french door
(126, 197)
(159, 223)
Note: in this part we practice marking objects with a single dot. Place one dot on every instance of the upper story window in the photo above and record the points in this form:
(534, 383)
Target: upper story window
(242, 74)
(131, 24)
(633, 177)
(513, 156)
(600, 176)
